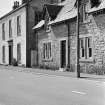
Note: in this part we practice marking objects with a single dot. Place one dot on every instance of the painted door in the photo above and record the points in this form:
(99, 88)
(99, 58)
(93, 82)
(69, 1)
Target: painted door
(10, 54)
(63, 53)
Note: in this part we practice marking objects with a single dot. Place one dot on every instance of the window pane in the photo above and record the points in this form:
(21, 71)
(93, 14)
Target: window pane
(83, 52)
(82, 48)
(44, 50)
(89, 47)
(81, 43)
(3, 54)
(47, 50)
(90, 52)
(19, 53)
(19, 25)
(89, 42)
(10, 28)
(3, 31)
(50, 49)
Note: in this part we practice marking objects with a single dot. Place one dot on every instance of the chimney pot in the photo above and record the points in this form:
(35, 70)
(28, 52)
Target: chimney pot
(16, 4)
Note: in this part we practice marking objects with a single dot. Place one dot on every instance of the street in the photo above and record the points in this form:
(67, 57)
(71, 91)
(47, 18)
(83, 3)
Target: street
(20, 88)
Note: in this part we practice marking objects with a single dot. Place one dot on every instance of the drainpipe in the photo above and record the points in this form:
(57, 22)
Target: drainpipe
(78, 49)
(68, 66)
(27, 38)
(36, 33)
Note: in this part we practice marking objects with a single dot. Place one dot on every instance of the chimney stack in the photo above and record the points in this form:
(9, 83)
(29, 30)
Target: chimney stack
(16, 4)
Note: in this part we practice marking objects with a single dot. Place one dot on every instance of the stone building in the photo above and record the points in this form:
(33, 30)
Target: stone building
(56, 34)
(17, 39)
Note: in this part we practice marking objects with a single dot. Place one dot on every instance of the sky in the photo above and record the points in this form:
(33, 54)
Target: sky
(6, 6)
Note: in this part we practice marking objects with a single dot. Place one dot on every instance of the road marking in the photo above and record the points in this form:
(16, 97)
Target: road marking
(77, 92)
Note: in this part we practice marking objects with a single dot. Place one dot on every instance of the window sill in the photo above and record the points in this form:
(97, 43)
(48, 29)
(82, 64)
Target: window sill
(47, 60)
(86, 60)
(19, 34)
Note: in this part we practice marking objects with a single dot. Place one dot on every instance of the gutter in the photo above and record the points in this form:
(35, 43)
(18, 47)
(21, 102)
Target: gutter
(9, 13)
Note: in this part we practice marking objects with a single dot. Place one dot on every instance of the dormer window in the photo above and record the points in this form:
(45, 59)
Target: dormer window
(47, 19)
(83, 14)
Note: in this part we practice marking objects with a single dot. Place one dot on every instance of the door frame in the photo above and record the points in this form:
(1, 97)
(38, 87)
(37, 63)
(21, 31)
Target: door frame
(63, 39)
(10, 44)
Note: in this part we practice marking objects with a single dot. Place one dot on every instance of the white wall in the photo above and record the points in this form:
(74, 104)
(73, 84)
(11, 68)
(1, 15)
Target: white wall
(16, 39)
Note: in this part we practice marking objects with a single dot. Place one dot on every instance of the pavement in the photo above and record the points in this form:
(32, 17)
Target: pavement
(49, 72)
(30, 86)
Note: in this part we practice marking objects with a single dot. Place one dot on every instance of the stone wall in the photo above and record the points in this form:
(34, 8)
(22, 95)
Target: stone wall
(95, 27)
(57, 34)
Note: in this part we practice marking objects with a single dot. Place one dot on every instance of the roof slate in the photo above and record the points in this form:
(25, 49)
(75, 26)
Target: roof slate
(100, 7)
(53, 10)
(40, 24)
(67, 12)
(61, 12)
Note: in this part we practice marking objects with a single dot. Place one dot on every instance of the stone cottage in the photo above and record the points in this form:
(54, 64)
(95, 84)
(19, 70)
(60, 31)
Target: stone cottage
(56, 34)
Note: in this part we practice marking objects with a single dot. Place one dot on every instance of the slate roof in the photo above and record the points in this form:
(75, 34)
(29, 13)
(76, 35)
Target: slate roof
(61, 12)
(100, 7)
(12, 11)
(53, 10)
(40, 24)
(67, 12)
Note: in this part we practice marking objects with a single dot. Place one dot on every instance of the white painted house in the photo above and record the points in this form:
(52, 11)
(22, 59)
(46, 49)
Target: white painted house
(13, 36)
(17, 38)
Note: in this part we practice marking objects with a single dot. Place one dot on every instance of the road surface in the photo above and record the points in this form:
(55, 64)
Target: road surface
(20, 88)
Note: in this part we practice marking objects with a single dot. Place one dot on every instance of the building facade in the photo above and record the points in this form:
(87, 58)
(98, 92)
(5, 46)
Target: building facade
(57, 42)
(13, 37)
(17, 39)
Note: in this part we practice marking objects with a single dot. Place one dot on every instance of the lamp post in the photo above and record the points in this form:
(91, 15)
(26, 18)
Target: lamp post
(78, 48)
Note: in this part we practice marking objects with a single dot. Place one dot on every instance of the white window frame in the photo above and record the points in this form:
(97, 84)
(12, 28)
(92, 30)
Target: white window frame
(47, 50)
(10, 28)
(82, 48)
(19, 25)
(19, 53)
(3, 31)
(3, 54)
(86, 48)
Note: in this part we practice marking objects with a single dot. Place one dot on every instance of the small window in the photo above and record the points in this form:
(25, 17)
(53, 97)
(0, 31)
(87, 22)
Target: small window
(89, 47)
(3, 54)
(10, 28)
(84, 15)
(82, 48)
(18, 25)
(3, 31)
(47, 20)
(47, 50)
(86, 47)
(19, 53)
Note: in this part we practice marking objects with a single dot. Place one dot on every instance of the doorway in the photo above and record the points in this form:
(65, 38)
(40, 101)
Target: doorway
(63, 53)
(10, 52)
